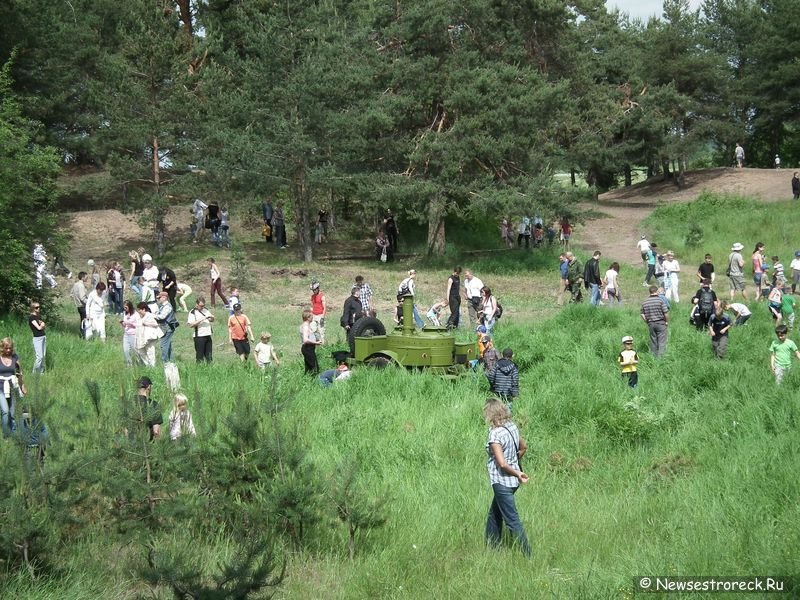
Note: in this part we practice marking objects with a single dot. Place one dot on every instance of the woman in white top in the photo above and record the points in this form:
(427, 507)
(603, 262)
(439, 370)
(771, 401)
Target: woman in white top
(671, 270)
(489, 308)
(180, 419)
(148, 333)
(96, 312)
(611, 282)
(129, 322)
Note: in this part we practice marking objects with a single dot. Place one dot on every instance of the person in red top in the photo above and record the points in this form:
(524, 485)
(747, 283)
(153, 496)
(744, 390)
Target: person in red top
(566, 232)
(240, 332)
(318, 310)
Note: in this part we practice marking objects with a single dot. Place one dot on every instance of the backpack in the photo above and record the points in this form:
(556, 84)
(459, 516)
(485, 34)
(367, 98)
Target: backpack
(706, 301)
(499, 312)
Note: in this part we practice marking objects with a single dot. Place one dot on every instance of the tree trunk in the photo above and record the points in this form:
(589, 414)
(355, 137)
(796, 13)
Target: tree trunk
(436, 233)
(186, 19)
(302, 212)
(628, 178)
(572, 177)
(157, 211)
(665, 169)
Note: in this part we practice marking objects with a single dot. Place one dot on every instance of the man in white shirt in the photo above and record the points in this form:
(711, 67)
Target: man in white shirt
(199, 321)
(472, 292)
(644, 247)
(795, 267)
(198, 209)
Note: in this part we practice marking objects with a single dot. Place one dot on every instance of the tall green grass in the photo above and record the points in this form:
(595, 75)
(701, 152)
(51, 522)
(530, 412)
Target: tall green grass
(693, 473)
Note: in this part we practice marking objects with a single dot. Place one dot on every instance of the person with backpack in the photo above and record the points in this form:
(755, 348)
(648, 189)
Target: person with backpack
(199, 321)
(706, 303)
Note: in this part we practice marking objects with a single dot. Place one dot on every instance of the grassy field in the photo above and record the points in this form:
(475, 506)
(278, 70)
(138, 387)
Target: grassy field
(693, 473)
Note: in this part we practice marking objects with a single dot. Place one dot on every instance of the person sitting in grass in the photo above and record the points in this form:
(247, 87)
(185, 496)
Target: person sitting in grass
(780, 353)
(718, 327)
(180, 418)
(340, 373)
(628, 360)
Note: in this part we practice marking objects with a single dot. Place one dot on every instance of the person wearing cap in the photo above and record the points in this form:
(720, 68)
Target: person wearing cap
(628, 360)
(644, 248)
(352, 310)
(165, 316)
(472, 294)
(671, 281)
(655, 313)
(150, 273)
(795, 267)
(240, 332)
(736, 271)
(148, 410)
(319, 307)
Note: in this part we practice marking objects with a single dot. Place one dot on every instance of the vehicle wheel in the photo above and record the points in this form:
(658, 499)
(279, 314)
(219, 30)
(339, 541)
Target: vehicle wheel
(364, 327)
(379, 361)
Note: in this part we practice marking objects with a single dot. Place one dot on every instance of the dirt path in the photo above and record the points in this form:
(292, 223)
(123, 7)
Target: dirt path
(617, 227)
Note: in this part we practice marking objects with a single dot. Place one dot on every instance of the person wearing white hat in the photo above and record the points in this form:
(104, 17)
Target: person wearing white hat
(735, 271)
(150, 272)
(671, 270)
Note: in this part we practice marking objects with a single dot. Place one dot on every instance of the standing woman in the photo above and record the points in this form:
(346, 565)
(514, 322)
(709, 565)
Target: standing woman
(169, 284)
(216, 283)
(148, 332)
(453, 296)
(505, 448)
(137, 268)
(96, 312)
(129, 323)
(309, 343)
(489, 308)
(11, 379)
(671, 270)
(39, 338)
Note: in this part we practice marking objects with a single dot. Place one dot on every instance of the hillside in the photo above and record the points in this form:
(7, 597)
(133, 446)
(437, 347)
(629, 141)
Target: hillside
(617, 226)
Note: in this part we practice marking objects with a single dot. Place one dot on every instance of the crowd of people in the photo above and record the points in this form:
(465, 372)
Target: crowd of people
(709, 312)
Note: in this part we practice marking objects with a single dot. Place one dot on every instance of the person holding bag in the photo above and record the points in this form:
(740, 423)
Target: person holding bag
(505, 448)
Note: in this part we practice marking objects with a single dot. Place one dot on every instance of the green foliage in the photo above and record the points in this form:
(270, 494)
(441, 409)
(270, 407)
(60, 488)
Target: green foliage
(694, 237)
(27, 186)
(240, 267)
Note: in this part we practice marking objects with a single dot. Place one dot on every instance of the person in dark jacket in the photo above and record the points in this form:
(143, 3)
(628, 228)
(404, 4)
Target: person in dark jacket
(504, 378)
(353, 310)
(795, 186)
(169, 284)
(574, 277)
(591, 277)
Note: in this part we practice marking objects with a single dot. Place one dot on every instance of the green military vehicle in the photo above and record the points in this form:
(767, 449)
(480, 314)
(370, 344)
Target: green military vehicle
(433, 348)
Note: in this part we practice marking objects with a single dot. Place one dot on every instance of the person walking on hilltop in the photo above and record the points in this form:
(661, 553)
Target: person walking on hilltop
(736, 270)
(453, 296)
(738, 154)
(574, 278)
(795, 186)
(591, 278)
(655, 313)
